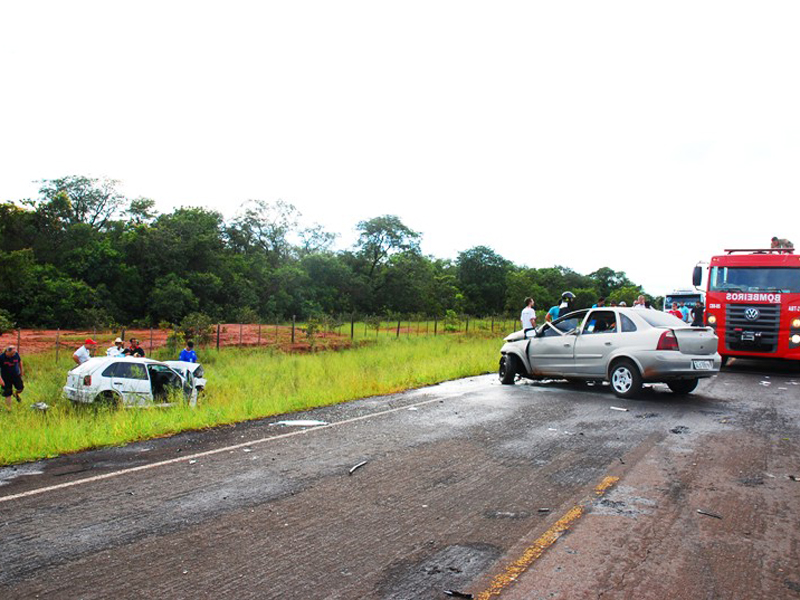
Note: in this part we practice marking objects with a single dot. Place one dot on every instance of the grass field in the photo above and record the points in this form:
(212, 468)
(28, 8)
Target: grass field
(242, 384)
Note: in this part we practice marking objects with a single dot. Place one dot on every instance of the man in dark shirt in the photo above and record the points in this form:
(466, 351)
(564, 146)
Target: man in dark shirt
(11, 373)
(134, 349)
(697, 314)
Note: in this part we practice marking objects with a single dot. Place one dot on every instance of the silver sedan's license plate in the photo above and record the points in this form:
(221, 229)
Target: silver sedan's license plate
(702, 365)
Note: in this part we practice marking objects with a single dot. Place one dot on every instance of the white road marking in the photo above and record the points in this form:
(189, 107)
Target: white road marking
(197, 455)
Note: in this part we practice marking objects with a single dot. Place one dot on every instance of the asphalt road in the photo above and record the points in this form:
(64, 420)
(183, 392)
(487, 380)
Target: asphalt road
(538, 490)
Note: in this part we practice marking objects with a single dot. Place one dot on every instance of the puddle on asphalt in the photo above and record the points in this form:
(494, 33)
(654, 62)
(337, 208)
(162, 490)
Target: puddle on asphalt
(9, 473)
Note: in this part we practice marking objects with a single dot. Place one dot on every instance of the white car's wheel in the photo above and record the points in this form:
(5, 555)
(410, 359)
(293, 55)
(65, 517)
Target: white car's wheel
(626, 381)
(508, 369)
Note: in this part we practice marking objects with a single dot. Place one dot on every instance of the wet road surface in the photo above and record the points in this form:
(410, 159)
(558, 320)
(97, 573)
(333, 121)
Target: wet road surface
(538, 490)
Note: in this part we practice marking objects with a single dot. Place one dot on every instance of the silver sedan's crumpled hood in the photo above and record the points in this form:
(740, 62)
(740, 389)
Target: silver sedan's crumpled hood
(513, 337)
(696, 340)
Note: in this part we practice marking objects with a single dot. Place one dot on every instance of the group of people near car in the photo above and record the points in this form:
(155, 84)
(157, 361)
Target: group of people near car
(12, 370)
(84, 353)
(565, 305)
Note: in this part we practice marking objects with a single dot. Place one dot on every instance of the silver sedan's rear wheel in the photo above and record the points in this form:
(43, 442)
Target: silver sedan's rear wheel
(626, 381)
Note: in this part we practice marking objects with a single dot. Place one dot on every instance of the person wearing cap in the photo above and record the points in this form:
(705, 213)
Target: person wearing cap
(116, 349)
(84, 353)
(11, 373)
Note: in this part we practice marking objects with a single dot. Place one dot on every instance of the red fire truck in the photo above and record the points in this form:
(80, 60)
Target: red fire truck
(753, 302)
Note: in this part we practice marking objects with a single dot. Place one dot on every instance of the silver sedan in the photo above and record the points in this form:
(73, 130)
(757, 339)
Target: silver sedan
(624, 346)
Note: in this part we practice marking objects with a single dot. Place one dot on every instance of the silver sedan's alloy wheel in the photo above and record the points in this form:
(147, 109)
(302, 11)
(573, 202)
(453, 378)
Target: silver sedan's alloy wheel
(622, 379)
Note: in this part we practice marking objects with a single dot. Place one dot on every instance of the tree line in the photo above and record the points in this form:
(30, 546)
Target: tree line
(83, 255)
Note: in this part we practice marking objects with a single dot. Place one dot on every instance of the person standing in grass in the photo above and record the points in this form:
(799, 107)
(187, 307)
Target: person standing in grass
(528, 317)
(84, 353)
(11, 374)
(117, 349)
(188, 354)
(134, 349)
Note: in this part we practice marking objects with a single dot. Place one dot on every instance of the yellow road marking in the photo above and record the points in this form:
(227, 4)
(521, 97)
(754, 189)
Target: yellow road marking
(535, 550)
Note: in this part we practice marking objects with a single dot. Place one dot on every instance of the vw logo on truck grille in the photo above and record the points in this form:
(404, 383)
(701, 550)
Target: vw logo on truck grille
(751, 314)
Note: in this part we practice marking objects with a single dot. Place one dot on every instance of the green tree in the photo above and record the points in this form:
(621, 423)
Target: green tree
(382, 237)
(79, 199)
(482, 280)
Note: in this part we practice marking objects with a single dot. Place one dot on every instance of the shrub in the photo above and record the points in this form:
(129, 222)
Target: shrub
(198, 327)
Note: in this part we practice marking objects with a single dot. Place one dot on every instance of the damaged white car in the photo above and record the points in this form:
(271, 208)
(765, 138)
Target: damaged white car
(624, 346)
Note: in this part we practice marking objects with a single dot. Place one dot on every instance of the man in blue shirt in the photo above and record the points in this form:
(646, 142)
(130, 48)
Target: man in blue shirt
(188, 354)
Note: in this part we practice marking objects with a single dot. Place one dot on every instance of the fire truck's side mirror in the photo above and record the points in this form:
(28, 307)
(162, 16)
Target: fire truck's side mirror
(697, 276)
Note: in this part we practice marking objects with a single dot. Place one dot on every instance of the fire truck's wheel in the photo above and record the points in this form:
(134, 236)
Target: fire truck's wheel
(509, 365)
(683, 386)
(626, 381)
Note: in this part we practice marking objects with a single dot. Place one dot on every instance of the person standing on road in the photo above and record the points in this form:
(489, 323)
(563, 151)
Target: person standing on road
(697, 314)
(676, 312)
(11, 374)
(528, 317)
(189, 355)
(685, 312)
(84, 353)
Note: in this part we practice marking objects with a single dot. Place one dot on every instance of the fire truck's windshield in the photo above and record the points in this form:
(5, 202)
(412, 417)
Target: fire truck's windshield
(754, 279)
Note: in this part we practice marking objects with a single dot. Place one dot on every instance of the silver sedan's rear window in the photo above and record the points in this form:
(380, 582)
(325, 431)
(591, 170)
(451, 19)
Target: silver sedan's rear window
(656, 318)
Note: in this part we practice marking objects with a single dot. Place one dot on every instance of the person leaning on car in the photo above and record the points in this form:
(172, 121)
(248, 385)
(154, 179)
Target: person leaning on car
(134, 349)
(528, 317)
(84, 353)
(11, 373)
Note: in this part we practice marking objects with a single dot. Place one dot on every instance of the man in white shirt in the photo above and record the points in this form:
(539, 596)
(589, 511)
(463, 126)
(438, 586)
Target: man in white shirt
(640, 303)
(528, 317)
(84, 353)
(116, 349)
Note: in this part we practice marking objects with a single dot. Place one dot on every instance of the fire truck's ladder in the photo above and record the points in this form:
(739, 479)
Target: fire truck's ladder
(761, 250)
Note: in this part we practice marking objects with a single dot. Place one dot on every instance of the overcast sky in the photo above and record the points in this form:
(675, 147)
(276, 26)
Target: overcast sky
(642, 136)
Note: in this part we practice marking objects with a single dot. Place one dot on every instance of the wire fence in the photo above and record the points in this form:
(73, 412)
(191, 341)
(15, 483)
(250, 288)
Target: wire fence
(285, 335)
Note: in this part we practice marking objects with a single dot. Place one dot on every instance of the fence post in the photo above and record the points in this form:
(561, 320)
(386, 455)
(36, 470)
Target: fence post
(19, 338)
(352, 327)
(217, 337)
(122, 336)
(435, 325)
(492, 324)
(293, 322)
(58, 342)
(151, 341)
(467, 330)
(259, 335)
(240, 334)
(398, 328)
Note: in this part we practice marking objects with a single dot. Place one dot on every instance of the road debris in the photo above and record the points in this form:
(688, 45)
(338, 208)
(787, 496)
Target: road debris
(457, 594)
(191, 462)
(765, 383)
(552, 429)
(680, 429)
(413, 408)
(793, 477)
(618, 408)
(544, 510)
(358, 466)
(620, 460)
(301, 423)
(40, 406)
(708, 514)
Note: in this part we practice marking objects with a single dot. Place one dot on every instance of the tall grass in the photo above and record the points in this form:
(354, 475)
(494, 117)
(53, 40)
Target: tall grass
(242, 384)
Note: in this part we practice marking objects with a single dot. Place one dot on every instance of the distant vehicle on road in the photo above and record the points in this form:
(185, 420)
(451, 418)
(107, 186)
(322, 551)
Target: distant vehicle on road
(624, 346)
(687, 297)
(129, 382)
